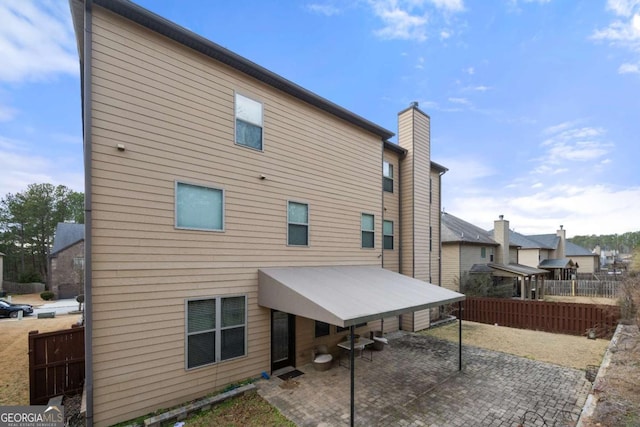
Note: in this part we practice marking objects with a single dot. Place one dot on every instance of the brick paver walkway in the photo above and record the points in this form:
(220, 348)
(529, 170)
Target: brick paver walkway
(414, 382)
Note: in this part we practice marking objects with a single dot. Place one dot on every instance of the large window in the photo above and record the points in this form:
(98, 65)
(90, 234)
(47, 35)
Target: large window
(483, 252)
(248, 122)
(387, 174)
(216, 330)
(387, 233)
(298, 224)
(367, 227)
(199, 207)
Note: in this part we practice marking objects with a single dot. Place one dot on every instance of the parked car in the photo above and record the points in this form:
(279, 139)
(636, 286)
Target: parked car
(11, 310)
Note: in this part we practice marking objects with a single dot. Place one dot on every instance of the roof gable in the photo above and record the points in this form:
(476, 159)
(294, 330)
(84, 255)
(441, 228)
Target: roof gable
(66, 235)
(455, 229)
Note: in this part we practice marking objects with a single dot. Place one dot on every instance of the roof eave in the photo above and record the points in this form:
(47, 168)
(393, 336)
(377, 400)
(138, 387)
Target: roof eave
(173, 31)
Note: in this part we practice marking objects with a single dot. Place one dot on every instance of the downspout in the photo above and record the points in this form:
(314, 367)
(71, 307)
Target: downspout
(86, 129)
(382, 201)
(400, 158)
(440, 227)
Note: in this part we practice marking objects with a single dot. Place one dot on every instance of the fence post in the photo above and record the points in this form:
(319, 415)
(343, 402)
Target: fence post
(573, 288)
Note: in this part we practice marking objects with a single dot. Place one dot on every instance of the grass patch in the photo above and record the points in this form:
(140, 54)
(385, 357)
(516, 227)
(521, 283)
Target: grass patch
(247, 410)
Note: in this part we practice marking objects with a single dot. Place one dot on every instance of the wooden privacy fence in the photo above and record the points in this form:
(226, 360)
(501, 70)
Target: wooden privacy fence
(582, 288)
(56, 364)
(557, 317)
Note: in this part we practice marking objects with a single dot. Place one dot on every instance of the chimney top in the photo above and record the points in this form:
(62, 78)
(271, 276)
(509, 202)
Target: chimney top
(501, 217)
(560, 226)
(414, 104)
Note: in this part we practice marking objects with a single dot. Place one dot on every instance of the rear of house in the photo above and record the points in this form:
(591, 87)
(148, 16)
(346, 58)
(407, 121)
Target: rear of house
(203, 168)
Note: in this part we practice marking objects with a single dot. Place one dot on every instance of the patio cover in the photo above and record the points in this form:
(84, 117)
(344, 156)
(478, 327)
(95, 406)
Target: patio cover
(517, 269)
(347, 295)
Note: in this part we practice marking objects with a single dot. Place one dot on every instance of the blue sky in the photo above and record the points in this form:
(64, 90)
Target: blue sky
(534, 104)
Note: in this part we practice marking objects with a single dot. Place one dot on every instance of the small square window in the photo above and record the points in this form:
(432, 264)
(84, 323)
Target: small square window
(248, 122)
(78, 263)
(387, 177)
(367, 227)
(298, 224)
(387, 233)
(199, 207)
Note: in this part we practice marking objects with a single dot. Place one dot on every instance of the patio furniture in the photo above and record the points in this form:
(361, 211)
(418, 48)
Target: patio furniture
(361, 345)
(322, 360)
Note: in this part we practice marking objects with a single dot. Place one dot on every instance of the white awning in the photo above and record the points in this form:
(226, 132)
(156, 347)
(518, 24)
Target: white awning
(347, 295)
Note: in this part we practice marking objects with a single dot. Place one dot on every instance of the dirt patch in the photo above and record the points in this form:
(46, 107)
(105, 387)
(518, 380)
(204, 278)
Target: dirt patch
(33, 299)
(565, 350)
(618, 391)
(14, 354)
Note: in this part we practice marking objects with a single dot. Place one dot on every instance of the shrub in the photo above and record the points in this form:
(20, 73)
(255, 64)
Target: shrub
(47, 295)
(629, 299)
(29, 277)
(483, 285)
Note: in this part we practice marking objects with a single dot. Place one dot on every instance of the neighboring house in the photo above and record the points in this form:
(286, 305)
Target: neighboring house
(235, 220)
(468, 249)
(66, 262)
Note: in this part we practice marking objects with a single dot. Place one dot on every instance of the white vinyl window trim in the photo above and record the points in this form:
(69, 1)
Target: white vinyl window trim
(190, 212)
(296, 221)
(367, 230)
(248, 122)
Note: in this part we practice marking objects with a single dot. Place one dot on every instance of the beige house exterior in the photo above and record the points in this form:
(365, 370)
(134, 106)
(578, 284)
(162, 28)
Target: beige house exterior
(204, 172)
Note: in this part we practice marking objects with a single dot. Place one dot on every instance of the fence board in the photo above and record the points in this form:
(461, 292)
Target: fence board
(582, 288)
(556, 317)
(56, 364)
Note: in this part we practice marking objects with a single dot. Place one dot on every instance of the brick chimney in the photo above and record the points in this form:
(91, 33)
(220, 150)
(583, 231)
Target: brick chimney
(501, 236)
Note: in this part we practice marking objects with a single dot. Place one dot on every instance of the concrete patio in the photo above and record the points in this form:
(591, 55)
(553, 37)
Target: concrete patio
(414, 382)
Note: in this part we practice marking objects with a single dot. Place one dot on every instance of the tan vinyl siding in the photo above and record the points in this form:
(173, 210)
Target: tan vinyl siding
(405, 140)
(513, 255)
(422, 319)
(451, 266)
(391, 212)
(173, 111)
(422, 217)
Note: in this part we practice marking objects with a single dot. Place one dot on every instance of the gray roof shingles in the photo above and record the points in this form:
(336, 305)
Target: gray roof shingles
(66, 235)
(455, 229)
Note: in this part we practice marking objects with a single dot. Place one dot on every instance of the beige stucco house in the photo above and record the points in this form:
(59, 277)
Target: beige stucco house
(235, 220)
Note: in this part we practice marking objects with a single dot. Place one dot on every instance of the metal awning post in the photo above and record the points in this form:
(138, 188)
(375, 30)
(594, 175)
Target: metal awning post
(352, 365)
(459, 335)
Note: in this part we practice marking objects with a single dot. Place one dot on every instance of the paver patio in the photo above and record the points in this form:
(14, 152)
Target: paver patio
(414, 381)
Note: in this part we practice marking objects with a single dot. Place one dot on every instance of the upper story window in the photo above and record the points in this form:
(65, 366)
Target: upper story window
(298, 224)
(387, 234)
(367, 227)
(248, 122)
(483, 252)
(78, 263)
(216, 330)
(199, 207)
(387, 177)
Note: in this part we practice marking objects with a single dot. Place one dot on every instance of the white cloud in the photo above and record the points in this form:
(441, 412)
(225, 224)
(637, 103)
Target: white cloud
(479, 88)
(583, 210)
(623, 7)
(629, 69)
(409, 19)
(461, 101)
(573, 144)
(449, 5)
(36, 40)
(323, 9)
(22, 166)
(471, 71)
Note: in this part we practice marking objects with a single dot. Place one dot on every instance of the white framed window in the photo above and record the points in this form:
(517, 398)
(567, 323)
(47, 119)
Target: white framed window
(297, 224)
(387, 234)
(248, 122)
(387, 176)
(216, 330)
(367, 228)
(199, 207)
